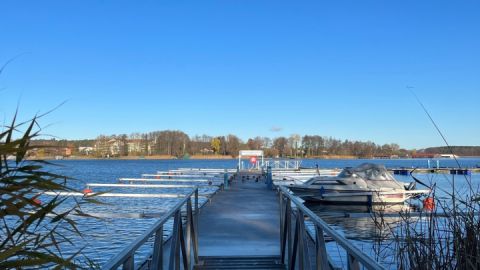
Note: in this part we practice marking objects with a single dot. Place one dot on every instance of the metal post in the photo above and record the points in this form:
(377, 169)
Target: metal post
(282, 254)
(352, 263)
(285, 229)
(185, 256)
(321, 251)
(269, 178)
(194, 238)
(293, 257)
(157, 260)
(304, 257)
(225, 179)
(129, 263)
(195, 228)
(174, 248)
(289, 228)
(188, 231)
(301, 241)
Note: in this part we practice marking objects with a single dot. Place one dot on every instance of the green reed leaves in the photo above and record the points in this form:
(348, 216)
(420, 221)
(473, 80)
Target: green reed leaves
(33, 227)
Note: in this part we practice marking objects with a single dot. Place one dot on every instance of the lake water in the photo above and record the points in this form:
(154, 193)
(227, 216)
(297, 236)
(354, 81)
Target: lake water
(106, 237)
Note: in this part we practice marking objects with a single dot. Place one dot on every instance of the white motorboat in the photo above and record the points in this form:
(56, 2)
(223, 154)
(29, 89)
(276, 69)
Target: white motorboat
(366, 184)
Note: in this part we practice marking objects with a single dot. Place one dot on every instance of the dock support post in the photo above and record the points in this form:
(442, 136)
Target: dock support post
(225, 179)
(195, 228)
(352, 263)
(129, 264)
(269, 178)
(288, 227)
(157, 261)
(175, 245)
(282, 254)
(321, 257)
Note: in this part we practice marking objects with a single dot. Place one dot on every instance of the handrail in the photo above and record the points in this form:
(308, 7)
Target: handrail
(355, 255)
(282, 163)
(126, 256)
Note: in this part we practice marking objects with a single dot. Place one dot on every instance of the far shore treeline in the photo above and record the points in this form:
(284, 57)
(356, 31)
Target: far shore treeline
(177, 144)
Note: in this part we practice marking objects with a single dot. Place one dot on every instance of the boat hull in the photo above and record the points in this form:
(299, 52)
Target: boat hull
(354, 197)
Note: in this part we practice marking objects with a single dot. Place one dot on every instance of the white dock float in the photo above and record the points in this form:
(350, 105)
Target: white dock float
(179, 176)
(140, 185)
(201, 171)
(167, 180)
(124, 195)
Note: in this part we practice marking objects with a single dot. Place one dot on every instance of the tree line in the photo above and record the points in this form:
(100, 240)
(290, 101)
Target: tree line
(473, 151)
(179, 144)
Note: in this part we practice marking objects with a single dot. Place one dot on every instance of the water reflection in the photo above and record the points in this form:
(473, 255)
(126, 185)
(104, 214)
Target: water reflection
(369, 229)
(360, 222)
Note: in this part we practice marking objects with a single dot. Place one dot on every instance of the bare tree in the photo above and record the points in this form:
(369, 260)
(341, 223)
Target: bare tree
(281, 145)
(233, 145)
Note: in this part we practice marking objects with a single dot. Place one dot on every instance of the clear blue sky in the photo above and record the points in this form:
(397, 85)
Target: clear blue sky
(216, 67)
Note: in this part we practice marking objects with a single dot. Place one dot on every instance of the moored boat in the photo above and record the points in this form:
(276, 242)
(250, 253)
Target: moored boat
(366, 184)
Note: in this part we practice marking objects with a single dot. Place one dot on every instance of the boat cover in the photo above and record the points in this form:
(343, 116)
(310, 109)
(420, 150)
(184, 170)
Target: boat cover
(372, 174)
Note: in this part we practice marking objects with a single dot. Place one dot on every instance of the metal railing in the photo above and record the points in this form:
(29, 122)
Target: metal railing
(293, 240)
(183, 239)
(289, 164)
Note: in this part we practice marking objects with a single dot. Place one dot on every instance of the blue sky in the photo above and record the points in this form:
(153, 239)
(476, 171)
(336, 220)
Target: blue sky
(216, 67)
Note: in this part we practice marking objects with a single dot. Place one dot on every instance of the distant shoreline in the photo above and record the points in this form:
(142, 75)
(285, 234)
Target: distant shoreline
(193, 157)
(213, 157)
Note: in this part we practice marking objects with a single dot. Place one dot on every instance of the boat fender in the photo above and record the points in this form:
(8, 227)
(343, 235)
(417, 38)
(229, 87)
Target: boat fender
(429, 204)
(37, 202)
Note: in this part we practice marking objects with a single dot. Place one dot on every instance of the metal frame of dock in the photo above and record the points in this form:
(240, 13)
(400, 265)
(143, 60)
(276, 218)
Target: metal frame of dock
(246, 226)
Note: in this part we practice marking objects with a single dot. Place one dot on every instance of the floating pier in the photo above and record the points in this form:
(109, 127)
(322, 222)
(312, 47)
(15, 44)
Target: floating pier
(249, 224)
(444, 170)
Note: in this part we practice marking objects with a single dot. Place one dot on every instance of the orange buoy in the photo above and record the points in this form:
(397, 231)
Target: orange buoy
(429, 204)
(87, 191)
(157, 177)
(37, 201)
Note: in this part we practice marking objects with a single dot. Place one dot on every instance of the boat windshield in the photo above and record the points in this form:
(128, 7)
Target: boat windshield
(368, 171)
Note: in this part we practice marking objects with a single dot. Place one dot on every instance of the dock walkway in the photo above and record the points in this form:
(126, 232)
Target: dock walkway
(243, 220)
(247, 225)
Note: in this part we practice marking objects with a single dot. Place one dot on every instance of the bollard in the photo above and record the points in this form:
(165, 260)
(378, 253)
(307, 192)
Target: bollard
(269, 178)
(225, 179)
